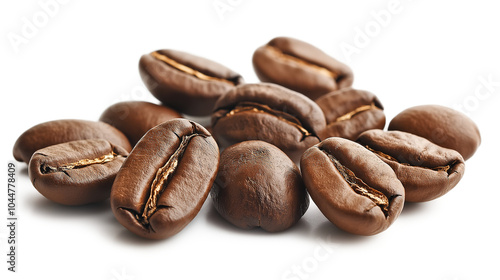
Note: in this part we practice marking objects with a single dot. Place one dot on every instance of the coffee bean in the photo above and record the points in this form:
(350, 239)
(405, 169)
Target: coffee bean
(270, 113)
(351, 186)
(166, 179)
(349, 112)
(135, 118)
(61, 131)
(185, 82)
(426, 170)
(300, 66)
(77, 172)
(441, 125)
(259, 186)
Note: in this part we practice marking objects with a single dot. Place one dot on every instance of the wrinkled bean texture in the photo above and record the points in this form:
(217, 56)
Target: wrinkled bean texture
(426, 170)
(259, 186)
(135, 118)
(441, 125)
(188, 83)
(270, 113)
(77, 172)
(350, 112)
(351, 186)
(300, 66)
(61, 131)
(166, 179)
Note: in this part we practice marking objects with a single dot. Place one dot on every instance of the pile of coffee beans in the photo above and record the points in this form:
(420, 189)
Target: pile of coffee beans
(158, 167)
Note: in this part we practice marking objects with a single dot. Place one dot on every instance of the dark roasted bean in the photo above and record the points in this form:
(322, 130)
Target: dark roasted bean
(259, 186)
(270, 113)
(441, 125)
(77, 172)
(351, 186)
(135, 118)
(185, 82)
(426, 170)
(166, 179)
(61, 131)
(300, 66)
(349, 112)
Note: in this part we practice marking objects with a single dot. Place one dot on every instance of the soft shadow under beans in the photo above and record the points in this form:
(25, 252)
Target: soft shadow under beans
(332, 234)
(44, 206)
(323, 230)
(118, 233)
(302, 227)
(215, 219)
(24, 170)
(127, 237)
(413, 208)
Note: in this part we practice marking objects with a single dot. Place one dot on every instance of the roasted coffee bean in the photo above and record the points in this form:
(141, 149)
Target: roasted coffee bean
(351, 186)
(61, 131)
(441, 125)
(77, 172)
(259, 186)
(349, 112)
(135, 118)
(185, 82)
(300, 66)
(166, 179)
(426, 170)
(270, 113)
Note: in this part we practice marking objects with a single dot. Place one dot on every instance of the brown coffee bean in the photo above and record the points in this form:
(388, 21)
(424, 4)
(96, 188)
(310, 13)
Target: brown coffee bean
(426, 170)
(76, 172)
(270, 113)
(349, 112)
(166, 179)
(351, 186)
(185, 82)
(441, 125)
(61, 131)
(300, 66)
(259, 186)
(135, 118)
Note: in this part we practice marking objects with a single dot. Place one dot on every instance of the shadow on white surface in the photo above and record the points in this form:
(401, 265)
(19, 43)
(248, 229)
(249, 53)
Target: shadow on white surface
(414, 208)
(23, 169)
(301, 227)
(333, 235)
(43, 206)
(127, 237)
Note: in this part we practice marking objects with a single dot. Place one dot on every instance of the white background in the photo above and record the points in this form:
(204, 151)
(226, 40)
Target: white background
(82, 56)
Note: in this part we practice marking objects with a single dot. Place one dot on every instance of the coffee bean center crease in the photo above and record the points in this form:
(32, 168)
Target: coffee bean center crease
(360, 187)
(261, 108)
(188, 70)
(163, 176)
(356, 111)
(297, 61)
(47, 169)
(445, 168)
